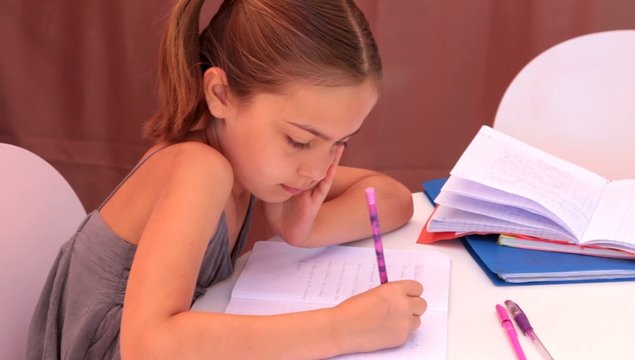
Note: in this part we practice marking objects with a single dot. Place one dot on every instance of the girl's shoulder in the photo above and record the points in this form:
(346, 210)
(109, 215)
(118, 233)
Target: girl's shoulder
(185, 150)
(188, 176)
(189, 158)
(184, 166)
(192, 165)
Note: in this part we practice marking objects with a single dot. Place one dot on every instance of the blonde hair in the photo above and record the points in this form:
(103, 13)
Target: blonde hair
(261, 45)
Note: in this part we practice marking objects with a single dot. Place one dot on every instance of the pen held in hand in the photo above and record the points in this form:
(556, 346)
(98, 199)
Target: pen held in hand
(374, 223)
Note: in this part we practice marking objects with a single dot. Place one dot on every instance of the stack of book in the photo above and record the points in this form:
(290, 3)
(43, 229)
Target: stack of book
(537, 201)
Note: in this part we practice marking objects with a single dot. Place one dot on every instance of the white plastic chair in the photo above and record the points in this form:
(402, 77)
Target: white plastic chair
(38, 212)
(576, 100)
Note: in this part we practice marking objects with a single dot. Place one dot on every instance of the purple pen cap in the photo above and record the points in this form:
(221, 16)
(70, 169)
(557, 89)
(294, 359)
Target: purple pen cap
(519, 316)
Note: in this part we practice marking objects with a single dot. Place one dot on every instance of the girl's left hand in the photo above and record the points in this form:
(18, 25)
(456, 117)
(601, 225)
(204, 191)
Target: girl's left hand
(293, 219)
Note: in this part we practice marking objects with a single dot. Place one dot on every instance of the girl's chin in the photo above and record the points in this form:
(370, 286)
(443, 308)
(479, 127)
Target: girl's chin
(273, 196)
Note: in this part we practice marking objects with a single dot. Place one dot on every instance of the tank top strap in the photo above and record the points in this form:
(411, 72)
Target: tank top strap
(143, 160)
(244, 230)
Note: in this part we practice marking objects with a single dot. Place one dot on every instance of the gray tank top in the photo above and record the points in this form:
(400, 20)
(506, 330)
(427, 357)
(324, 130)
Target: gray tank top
(78, 315)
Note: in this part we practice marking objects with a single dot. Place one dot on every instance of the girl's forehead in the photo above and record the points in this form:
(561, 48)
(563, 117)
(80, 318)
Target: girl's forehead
(335, 111)
(304, 97)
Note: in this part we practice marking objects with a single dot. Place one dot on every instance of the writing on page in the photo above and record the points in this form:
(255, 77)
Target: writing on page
(496, 160)
(279, 278)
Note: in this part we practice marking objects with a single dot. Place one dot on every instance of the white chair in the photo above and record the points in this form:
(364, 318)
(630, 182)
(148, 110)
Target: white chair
(38, 212)
(576, 100)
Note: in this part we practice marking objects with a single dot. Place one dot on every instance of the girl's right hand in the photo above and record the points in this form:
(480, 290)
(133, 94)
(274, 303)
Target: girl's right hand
(381, 317)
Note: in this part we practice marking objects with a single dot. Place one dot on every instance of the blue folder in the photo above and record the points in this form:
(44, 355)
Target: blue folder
(498, 261)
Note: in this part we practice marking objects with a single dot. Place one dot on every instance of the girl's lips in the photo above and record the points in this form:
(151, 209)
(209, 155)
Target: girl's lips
(292, 190)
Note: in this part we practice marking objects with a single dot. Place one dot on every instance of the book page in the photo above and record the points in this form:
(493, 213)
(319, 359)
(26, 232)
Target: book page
(569, 191)
(473, 190)
(449, 219)
(279, 278)
(614, 220)
(514, 216)
(553, 246)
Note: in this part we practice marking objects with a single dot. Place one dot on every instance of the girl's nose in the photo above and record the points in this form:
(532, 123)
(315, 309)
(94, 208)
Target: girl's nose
(315, 167)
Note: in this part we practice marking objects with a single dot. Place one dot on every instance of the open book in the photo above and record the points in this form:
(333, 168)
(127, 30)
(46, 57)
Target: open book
(513, 265)
(280, 278)
(503, 186)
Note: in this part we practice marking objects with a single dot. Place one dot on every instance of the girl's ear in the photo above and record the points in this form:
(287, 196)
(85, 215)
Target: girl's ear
(217, 92)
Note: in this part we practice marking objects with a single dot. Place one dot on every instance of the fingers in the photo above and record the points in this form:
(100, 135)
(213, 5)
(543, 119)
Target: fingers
(415, 322)
(415, 305)
(411, 287)
(321, 189)
(338, 155)
(418, 306)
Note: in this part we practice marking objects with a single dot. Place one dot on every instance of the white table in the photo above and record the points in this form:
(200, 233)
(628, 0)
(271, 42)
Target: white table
(574, 321)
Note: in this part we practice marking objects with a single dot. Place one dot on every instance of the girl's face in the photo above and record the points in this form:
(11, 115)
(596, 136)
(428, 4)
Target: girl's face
(282, 144)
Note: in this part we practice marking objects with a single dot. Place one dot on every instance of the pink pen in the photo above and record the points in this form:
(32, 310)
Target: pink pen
(511, 332)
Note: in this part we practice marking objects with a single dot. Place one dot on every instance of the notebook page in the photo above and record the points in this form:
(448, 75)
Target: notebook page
(614, 218)
(280, 272)
(463, 222)
(477, 191)
(278, 275)
(429, 341)
(502, 162)
(508, 214)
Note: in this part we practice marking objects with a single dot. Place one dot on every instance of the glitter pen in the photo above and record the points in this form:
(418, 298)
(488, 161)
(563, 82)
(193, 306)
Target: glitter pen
(374, 222)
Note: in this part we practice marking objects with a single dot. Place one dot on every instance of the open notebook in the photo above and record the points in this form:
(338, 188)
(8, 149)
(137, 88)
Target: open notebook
(501, 185)
(280, 278)
(506, 266)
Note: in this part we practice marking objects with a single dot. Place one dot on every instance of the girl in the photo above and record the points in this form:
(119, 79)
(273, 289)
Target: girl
(260, 105)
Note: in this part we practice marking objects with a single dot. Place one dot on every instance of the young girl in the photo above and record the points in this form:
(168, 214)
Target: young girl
(260, 105)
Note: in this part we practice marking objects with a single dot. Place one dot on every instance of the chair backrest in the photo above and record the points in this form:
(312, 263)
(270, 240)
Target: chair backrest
(38, 212)
(576, 100)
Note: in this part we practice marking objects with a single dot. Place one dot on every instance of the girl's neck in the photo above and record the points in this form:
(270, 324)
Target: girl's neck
(209, 136)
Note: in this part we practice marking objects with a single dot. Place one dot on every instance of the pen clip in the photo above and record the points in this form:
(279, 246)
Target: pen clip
(502, 315)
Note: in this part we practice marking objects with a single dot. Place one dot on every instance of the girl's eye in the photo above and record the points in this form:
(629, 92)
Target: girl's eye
(297, 145)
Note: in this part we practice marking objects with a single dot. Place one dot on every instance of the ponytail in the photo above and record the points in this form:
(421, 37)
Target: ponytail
(262, 45)
(182, 102)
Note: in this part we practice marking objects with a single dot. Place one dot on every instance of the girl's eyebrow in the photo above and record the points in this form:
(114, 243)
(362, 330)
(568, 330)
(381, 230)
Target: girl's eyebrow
(318, 133)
